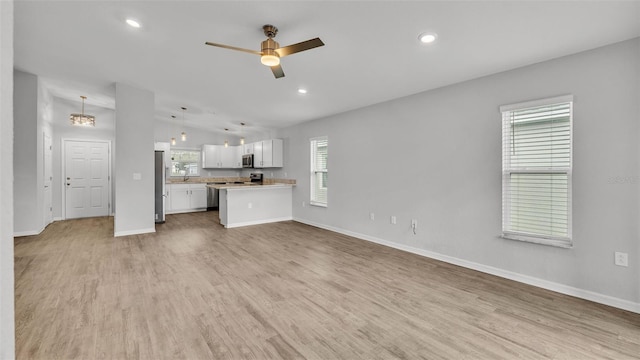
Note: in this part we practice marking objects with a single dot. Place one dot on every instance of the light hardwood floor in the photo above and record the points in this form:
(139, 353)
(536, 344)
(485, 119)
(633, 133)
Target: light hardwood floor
(195, 290)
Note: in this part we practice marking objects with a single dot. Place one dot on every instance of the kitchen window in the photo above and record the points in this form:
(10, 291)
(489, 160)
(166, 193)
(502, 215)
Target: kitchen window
(185, 162)
(319, 173)
(537, 170)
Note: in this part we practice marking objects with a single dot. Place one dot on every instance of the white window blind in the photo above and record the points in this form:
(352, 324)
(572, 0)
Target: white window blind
(536, 171)
(319, 173)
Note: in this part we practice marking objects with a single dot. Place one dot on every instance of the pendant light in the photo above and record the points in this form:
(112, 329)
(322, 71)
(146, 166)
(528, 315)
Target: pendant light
(226, 143)
(184, 134)
(173, 139)
(82, 119)
(242, 134)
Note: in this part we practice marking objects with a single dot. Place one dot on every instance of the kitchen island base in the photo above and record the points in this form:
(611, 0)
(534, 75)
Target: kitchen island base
(252, 205)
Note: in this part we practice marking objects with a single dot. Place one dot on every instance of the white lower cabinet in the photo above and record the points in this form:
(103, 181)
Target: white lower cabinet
(186, 197)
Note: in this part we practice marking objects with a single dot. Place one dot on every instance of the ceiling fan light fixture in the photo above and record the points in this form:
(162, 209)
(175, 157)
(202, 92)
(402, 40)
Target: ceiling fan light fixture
(270, 60)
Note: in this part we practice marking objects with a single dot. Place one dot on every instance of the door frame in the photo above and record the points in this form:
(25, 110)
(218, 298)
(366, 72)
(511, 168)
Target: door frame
(63, 160)
(47, 218)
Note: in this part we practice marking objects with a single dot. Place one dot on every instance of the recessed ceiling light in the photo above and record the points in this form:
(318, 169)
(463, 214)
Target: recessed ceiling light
(302, 91)
(427, 38)
(133, 23)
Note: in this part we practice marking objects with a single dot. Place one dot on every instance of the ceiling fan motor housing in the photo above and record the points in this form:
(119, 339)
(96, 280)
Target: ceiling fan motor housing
(270, 31)
(269, 47)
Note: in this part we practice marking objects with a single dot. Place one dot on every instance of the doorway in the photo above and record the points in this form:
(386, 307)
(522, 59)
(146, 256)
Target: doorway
(87, 178)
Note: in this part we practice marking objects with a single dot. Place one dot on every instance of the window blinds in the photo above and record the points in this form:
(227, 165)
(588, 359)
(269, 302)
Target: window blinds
(536, 201)
(319, 155)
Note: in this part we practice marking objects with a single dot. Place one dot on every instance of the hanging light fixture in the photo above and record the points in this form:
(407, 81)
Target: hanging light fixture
(82, 119)
(226, 143)
(184, 134)
(173, 139)
(242, 133)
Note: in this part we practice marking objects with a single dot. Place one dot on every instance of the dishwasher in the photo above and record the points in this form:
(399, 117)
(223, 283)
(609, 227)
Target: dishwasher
(213, 197)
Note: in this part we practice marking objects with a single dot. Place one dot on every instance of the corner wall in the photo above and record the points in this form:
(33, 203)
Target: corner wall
(436, 157)
(25, 148)
(134, 161)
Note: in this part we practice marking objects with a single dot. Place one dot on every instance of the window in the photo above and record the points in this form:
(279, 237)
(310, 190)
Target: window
(536, 171)
(319, 153)
(184, 162)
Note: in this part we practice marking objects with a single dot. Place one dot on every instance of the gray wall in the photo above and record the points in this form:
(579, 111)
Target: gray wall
(436, 157)
(134, 210)
(63, 130)
(25, 162)
(32, 119)
(7, 327)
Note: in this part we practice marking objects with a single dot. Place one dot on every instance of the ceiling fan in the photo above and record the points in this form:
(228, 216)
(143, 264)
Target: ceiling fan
(271, 52)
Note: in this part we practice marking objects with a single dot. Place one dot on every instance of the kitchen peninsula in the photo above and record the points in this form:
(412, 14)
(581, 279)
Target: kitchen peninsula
(242, 205)
(240, 201)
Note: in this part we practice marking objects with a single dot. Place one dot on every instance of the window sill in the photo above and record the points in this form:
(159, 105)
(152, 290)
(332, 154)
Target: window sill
(565, 244)
(313, 203)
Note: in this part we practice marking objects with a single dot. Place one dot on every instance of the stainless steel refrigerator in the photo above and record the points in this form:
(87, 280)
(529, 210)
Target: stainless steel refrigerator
(160, 174)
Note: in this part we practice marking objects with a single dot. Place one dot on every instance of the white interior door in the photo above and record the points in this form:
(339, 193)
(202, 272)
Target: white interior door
(47, 179)
(87, 180)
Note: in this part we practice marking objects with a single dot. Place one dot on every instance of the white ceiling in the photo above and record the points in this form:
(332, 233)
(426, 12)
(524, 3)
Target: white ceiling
(372, 53)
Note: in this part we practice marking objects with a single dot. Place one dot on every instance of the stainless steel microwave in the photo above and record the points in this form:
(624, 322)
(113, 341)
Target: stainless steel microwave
(247, 161)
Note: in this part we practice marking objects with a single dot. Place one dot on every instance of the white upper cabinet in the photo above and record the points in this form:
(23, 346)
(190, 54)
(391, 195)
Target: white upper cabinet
(247, 149)
(230, 157)
(221, 157)
(268, 153)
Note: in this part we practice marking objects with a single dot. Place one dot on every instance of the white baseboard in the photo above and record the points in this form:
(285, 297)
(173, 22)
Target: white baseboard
(27, 233)
(256, 222)
(541, 283)
(184, 211)
(134, 232)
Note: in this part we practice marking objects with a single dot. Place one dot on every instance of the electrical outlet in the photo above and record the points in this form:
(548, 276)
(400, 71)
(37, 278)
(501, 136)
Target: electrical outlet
(372, 216)
(393, 220)
(250, 205)
(304, 203)
(621, 259)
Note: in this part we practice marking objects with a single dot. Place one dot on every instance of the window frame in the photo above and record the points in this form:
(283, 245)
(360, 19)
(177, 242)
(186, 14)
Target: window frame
(314, 171)
(508, 171)
(197, 162)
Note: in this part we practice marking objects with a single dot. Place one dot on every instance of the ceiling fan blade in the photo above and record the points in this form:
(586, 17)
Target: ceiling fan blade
(277, 71)
(234, 48)
(301, 46)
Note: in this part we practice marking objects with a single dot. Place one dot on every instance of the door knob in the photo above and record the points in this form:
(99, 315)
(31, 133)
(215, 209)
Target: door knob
(68, 184)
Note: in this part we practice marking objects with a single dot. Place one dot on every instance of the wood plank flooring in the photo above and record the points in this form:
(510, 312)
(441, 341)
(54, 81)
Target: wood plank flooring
(195, 290)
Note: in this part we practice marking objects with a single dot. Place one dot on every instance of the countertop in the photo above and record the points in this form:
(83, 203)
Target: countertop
(249, 186)
(228, 181)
